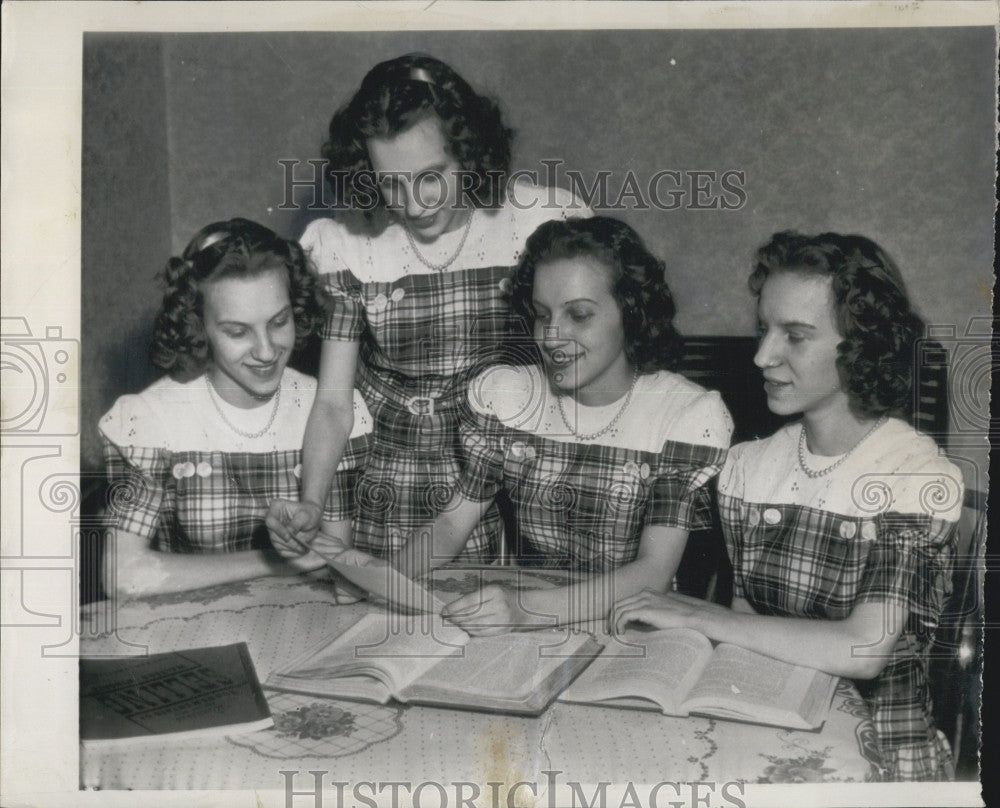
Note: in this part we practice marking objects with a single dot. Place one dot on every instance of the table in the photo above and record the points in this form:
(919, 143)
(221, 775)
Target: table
(278, 618)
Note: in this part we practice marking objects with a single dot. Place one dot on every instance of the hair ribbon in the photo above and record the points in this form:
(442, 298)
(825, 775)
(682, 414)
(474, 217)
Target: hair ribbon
(420, 74)
(213, 238)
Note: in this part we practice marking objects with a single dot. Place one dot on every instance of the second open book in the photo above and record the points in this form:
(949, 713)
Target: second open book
(679, 673)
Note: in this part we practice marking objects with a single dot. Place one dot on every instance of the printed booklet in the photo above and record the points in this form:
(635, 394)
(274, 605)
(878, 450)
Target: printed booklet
(180, 694)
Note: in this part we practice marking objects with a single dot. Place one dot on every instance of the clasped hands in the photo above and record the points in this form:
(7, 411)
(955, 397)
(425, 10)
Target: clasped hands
(297, 534)
(292, 524)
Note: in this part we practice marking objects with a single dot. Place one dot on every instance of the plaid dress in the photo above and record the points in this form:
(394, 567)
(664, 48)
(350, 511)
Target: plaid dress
(880, 528)
(423, 335)
(583, 505)
(185, 481)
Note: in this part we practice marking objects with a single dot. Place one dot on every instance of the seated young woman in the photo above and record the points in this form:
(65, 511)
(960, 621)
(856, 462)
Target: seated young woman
(841, 526)
(195, 459)
(604, 453)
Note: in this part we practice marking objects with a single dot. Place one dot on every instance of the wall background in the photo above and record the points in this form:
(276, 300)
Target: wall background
(886, 132)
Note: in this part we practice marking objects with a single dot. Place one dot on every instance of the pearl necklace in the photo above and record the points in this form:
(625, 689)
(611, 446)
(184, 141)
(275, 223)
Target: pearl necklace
(241, 432)
(812, 473)
(431, 264)
(615, 420)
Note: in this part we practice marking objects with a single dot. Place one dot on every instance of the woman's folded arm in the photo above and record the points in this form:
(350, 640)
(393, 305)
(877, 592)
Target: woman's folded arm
(859, 646)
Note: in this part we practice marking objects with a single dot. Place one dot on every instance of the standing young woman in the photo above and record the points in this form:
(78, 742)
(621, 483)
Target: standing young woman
(605, 453)
(195, 459)
(841, 526)
(418, 285)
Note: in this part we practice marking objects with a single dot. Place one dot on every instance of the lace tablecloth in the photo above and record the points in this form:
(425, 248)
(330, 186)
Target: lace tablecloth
(278, 618)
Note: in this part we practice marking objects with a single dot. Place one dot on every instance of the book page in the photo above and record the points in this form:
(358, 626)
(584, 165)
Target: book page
(663, 671)
(392, 648)
(511, 664)
(747, 685)
(512, 671)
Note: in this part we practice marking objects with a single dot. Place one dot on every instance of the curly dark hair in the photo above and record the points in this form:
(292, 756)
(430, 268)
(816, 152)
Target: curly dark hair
(235, 248)
(638, 284)
(873, 313)
(395, 95)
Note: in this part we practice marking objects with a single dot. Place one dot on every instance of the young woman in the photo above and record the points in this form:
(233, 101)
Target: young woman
(841, 526)
(195, 459)
(603, 451)
(417, 271)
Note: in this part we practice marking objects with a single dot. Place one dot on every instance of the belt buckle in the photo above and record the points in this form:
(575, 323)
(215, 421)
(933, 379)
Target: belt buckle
(420, 405)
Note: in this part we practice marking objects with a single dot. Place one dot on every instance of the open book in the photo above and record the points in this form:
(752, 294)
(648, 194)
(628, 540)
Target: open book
(422, 659)
(678, 672)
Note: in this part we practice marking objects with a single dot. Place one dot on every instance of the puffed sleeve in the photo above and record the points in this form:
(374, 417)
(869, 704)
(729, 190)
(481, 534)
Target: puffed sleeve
(482, 443)
(322, 242)
(914, 540)
(910, 564)
(680, 496)
(137, 499)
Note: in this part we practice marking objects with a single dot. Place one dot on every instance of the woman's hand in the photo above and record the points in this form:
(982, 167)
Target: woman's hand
(359, 558)
(344, 592)
(663, 610)
(493, 610)
(303, 562)
(330, 545)
(290, 523)
(301, 557)
(326, 547)
(348, 592)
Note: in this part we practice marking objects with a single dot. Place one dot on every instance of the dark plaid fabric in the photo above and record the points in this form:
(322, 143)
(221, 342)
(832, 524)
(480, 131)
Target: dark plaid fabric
(422, 337)
(797, 561)
(584, 506)
(213, 502)
(400, 492)
(422, 334)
